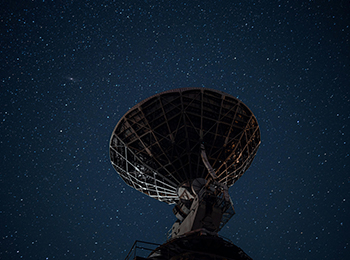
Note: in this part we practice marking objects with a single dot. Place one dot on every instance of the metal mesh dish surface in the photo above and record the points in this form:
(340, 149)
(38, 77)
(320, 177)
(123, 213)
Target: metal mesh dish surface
(155, 147)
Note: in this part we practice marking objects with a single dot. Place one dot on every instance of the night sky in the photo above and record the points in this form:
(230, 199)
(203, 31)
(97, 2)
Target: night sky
(71, 69)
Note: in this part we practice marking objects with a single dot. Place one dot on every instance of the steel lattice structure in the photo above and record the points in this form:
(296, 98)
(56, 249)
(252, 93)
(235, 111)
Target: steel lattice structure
(155, 146)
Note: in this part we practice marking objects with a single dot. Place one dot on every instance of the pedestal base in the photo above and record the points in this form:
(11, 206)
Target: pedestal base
(196, 246)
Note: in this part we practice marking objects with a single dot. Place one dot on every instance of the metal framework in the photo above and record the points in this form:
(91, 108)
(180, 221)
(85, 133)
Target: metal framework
(156, 145)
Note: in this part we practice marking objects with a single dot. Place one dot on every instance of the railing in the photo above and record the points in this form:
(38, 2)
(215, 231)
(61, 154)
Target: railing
(145, 247)
(168, 234)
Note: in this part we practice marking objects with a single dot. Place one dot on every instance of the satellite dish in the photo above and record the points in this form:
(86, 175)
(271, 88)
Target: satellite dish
(156, 145)
(187, 147)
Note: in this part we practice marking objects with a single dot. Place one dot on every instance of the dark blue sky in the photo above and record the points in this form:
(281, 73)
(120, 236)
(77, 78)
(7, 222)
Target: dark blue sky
(71, 69)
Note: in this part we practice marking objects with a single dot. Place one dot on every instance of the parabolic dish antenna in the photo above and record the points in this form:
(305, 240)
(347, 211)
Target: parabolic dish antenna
(156, 147)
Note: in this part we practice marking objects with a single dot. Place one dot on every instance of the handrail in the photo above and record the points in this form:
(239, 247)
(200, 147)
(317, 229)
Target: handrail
(135, 246)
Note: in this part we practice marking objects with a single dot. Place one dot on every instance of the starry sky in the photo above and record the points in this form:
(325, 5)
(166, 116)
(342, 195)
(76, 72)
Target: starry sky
(71, 69)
